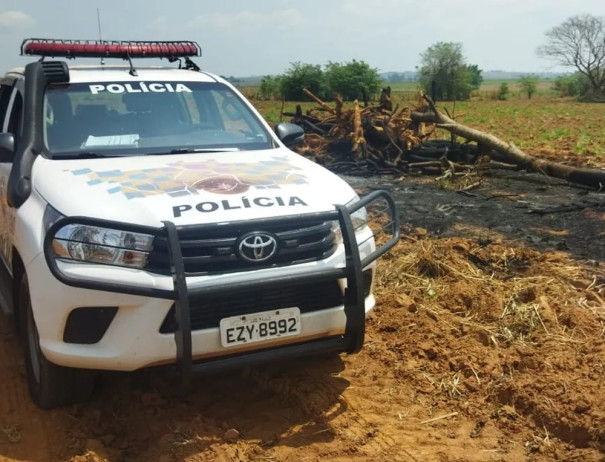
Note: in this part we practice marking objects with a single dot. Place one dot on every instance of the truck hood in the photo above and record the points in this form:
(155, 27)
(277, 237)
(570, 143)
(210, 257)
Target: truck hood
(189, 188)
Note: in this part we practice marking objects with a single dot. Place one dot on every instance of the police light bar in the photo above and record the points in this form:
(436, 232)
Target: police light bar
(109, 49)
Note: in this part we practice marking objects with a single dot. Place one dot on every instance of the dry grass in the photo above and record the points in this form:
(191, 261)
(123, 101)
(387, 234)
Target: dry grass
(508, 293)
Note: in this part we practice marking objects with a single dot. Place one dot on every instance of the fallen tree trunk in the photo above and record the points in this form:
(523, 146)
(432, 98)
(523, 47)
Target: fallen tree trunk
(509, 153)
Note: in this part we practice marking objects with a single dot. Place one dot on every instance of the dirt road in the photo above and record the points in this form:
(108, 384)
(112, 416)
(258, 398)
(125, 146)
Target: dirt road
(488, 344)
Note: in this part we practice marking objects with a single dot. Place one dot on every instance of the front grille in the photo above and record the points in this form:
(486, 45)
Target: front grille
(215, 250)
(207, 313)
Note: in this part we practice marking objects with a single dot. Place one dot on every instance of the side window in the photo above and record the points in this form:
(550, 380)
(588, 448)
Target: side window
(5, 97)
(235, 117)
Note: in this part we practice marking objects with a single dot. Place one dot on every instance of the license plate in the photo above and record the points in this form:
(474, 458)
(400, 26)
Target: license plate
(258, 327)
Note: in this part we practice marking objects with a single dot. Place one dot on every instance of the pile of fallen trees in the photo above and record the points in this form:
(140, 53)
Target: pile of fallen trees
(383, 139)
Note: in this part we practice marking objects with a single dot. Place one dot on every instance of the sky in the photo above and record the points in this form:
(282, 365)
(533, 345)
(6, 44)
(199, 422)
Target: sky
(261, 37)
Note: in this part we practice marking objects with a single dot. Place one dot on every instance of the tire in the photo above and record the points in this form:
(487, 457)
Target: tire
(49, 385)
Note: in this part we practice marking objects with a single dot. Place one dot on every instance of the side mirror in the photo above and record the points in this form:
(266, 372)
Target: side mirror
(7, 147)
(290, 134)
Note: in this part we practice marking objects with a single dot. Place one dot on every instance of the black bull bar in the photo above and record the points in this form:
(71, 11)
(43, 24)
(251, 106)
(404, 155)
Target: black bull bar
(354, 302)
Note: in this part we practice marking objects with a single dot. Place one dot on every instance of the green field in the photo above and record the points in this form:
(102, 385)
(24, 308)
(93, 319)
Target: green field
(487, 85)
(556, 125)
(487, 91)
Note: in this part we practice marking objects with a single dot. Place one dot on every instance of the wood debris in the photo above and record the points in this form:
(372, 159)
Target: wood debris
(382, 139)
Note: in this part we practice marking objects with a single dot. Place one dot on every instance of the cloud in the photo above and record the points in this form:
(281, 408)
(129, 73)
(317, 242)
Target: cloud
(11, 20)
(247, 20)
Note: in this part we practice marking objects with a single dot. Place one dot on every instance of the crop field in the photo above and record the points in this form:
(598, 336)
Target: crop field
(487, 342)
(491, 84)
(487, 91)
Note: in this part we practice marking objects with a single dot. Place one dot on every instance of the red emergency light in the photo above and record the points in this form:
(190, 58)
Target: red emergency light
(109, 49)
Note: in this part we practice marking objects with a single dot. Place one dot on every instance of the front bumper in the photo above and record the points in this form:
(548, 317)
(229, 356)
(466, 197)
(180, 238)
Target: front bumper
(133, 339)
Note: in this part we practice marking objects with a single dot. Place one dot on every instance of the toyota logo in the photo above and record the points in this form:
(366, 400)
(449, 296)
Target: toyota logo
(257, 247)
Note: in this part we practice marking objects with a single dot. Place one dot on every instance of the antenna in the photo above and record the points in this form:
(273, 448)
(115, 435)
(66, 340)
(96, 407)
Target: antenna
(100, 36)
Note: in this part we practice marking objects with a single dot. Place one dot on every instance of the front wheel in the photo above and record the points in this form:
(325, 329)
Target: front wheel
(49, 385)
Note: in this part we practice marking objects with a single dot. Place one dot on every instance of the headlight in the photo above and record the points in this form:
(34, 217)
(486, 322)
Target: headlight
(359, 219)
(94, 244)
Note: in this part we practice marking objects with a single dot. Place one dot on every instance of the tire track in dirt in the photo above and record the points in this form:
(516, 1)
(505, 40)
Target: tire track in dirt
(322, 397)
(23, 427)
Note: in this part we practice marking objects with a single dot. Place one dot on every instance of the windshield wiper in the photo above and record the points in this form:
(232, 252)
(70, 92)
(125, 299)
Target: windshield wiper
(88, 155)
(187, 150)
(99, 155)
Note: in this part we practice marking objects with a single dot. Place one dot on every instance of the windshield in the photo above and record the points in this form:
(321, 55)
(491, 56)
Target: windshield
(136, 118)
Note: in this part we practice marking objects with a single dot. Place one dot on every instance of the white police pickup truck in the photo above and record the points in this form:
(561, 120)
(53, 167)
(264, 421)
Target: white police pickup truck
(150, 216)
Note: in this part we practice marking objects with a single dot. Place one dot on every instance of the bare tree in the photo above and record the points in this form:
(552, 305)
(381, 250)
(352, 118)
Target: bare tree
(580, 42)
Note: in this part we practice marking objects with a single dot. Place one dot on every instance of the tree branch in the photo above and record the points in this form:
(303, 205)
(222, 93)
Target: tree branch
(510, 153)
